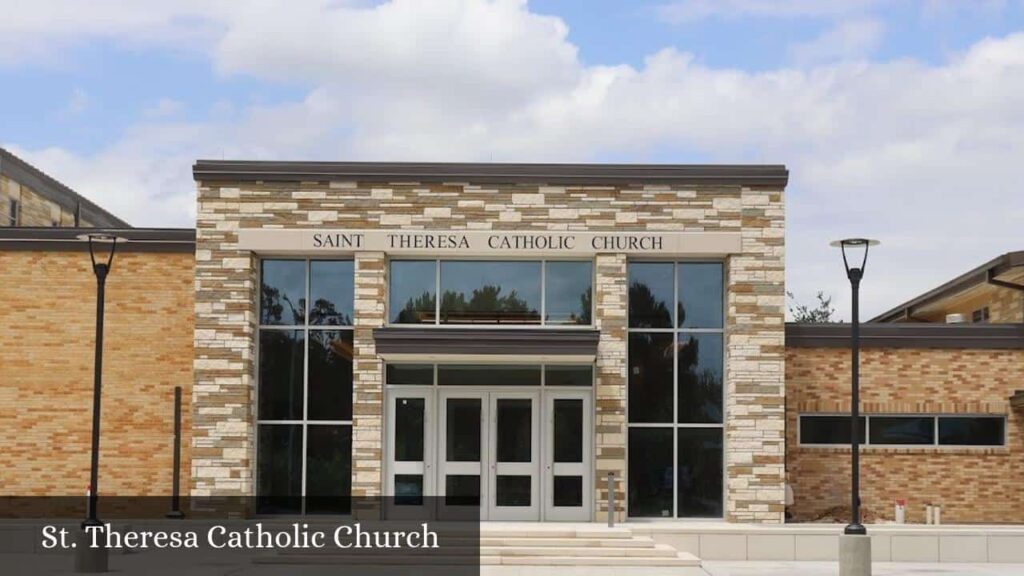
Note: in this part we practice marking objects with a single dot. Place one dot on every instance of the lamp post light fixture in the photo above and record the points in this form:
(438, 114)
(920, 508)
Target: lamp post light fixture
(855, 550)
(101, 252)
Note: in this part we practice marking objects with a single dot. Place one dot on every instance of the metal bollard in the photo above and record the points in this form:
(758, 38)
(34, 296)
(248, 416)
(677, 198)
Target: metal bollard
(176, 473)
(611, 499)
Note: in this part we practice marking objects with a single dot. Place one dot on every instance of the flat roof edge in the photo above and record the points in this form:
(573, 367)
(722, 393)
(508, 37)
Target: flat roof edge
(948, 336)
(773, 175)
(65, 239)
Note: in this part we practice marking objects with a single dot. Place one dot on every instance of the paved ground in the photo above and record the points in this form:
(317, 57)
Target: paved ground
(879, 569)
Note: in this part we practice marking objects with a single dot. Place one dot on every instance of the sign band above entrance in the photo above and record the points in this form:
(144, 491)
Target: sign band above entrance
(488, 242)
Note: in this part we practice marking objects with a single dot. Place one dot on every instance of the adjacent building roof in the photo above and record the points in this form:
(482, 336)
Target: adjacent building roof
(1006, 271)
(964, 336)
(46, 186)
(775, 175)
(65, 239)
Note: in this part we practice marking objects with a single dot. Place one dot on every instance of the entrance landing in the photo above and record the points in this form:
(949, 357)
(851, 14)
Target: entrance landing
(591, 547)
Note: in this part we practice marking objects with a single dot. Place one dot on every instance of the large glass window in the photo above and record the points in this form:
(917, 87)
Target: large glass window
(507, 292)
(676, 362)
(304, 408)
(905, 430)
(830, 430)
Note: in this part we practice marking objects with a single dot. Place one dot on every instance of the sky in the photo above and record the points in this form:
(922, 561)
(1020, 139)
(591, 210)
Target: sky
(901, 120)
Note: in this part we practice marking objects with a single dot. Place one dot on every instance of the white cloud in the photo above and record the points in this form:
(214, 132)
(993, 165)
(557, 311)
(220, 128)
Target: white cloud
(925, 157)
(77, 102)
(684, 11)
(41, 31)
(846, 39)
(164, 107)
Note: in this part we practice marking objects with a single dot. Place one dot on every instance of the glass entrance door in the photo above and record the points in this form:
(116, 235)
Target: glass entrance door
(501, 454)
(515, 459)
(462, 454)
(567, 469)
(410, 449)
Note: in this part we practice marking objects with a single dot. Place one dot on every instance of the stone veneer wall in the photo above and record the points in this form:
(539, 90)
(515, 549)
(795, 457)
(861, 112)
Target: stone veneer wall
(971, 484)
(226, 297)
(610, 298)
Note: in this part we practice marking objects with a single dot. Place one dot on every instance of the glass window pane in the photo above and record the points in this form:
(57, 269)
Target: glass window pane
(699, 371)
(410, 374)
(283, 292)
(476, 292)
(972, 430)
(700, 295)
(330, 375)
(487, 375)
(568, 491)
(556, 375)
(902, 430)
(513, 490)
(462, 432)
(568, 429)
(828, 430)
(279, 469)
(568, 292)
(329, 469)
(412, 289)
(409, 429)
(461, 490)
(331, 286)
(515, 429)
(650, 472)
(650, 294)
(700, 472)
(281, 368)
(650, 377)
(408, 489)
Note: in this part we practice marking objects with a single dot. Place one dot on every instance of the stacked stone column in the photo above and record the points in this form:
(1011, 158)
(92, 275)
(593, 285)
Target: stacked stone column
(610, 296)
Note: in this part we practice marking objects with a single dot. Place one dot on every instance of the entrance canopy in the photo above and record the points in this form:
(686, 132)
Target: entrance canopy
(521, 344)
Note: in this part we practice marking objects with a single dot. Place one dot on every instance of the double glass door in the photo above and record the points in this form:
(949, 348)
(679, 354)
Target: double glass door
(514, 455)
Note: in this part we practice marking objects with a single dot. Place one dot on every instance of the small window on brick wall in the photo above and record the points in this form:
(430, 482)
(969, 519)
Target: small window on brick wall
(904, 430)
(980, 316)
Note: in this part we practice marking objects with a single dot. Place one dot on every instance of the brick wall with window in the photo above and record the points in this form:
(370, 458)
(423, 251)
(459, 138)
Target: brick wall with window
(935, 431)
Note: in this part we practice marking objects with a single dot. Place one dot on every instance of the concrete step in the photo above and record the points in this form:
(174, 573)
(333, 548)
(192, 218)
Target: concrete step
(367, 560)
(553, 532)
(578, 551)
(680, 559)
(635, 542)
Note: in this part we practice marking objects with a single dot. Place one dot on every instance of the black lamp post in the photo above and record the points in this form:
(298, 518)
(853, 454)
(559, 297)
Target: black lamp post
(855, 274)
(103, 245)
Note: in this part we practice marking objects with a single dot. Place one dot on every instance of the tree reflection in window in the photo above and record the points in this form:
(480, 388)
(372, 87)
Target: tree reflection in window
(645, 309)
(699, 369)
(487, 305)
(274, 306)
(418, 310)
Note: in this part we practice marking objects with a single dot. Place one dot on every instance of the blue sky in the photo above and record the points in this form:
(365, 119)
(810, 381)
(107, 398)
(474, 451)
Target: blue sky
(900, 119)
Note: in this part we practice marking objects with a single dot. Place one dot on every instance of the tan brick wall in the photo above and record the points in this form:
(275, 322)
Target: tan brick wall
(46, 380)
(225, 300)
(972, 485)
